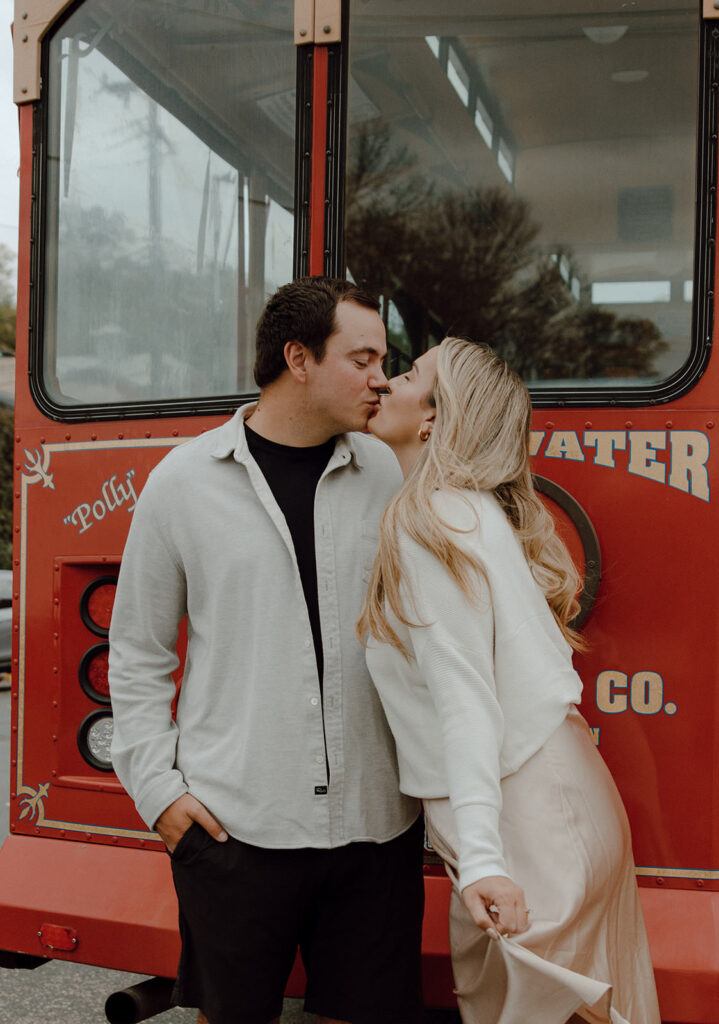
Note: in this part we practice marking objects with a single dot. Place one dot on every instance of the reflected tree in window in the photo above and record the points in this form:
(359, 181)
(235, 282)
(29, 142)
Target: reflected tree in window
(468, 263)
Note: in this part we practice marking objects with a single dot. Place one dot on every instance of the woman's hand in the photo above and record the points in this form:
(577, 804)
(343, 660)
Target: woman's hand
(497, 904)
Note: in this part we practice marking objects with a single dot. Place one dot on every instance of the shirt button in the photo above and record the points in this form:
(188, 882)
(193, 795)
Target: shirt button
(314, 701)
(319, 759)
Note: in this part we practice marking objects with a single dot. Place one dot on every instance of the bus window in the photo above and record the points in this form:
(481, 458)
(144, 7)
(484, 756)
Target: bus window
(526, 177)
(168, 199)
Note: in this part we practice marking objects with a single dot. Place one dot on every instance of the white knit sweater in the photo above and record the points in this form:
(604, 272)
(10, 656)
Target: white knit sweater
(487, 682)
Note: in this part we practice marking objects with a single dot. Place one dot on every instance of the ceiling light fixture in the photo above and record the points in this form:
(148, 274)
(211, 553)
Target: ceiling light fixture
(627, 77)
(605, 34)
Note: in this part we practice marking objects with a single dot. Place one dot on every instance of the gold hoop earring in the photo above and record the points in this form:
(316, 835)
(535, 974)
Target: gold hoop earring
(423, 435)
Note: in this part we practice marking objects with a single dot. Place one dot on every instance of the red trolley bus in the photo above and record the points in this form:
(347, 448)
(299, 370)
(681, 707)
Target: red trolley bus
(541, 175)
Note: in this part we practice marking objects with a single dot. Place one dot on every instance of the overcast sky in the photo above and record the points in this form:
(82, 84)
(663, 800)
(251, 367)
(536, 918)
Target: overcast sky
(9, 158)
(9, 152)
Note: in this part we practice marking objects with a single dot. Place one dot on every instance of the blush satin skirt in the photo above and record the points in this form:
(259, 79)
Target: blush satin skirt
(567, 844)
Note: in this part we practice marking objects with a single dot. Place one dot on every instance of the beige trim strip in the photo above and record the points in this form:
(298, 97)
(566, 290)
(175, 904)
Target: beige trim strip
(32, 20)
(710, 9)
(648, 872)
(304, 22)
(328, 21)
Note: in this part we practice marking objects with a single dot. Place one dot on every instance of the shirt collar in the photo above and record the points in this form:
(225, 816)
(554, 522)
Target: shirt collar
(232, 440)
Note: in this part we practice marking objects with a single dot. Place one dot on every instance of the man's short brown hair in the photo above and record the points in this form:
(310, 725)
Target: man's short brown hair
(303, 311)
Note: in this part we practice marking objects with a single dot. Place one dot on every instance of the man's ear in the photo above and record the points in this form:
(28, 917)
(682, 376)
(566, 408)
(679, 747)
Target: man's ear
(296, 356)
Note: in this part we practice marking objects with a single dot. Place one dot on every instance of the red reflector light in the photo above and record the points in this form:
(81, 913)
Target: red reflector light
(92, 673)
(97, 673)
(58, 936)
(96, 604)
(99, 606)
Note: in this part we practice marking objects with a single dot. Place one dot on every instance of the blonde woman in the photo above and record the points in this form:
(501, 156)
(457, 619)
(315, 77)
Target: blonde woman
(467, 622)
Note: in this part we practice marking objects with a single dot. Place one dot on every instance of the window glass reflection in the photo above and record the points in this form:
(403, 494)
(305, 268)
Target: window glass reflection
(526, 176)
(170, 196)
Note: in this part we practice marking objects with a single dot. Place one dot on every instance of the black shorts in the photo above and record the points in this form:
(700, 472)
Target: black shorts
(355, 912)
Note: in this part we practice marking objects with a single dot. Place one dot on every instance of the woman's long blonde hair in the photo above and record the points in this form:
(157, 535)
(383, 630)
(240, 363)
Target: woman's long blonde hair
(480, 442)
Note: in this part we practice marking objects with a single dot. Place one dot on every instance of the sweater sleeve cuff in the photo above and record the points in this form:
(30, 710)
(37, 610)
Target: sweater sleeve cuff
(480, 847)
(158, 796)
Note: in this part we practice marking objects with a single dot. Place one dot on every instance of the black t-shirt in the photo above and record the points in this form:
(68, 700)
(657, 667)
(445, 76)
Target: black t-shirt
(293, 475)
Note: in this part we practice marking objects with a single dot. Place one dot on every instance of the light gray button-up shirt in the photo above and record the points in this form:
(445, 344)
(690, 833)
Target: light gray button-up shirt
(208, 539)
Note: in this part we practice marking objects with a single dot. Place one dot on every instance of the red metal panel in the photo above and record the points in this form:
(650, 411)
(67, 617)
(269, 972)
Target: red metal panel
(683, 929)
(119, 903)
(319, 147)
(653, 626)
(77, 488)
(24, 407)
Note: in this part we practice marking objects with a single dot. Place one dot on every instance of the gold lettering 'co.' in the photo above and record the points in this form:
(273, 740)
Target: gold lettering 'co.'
(113, 494)
(685, 468)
